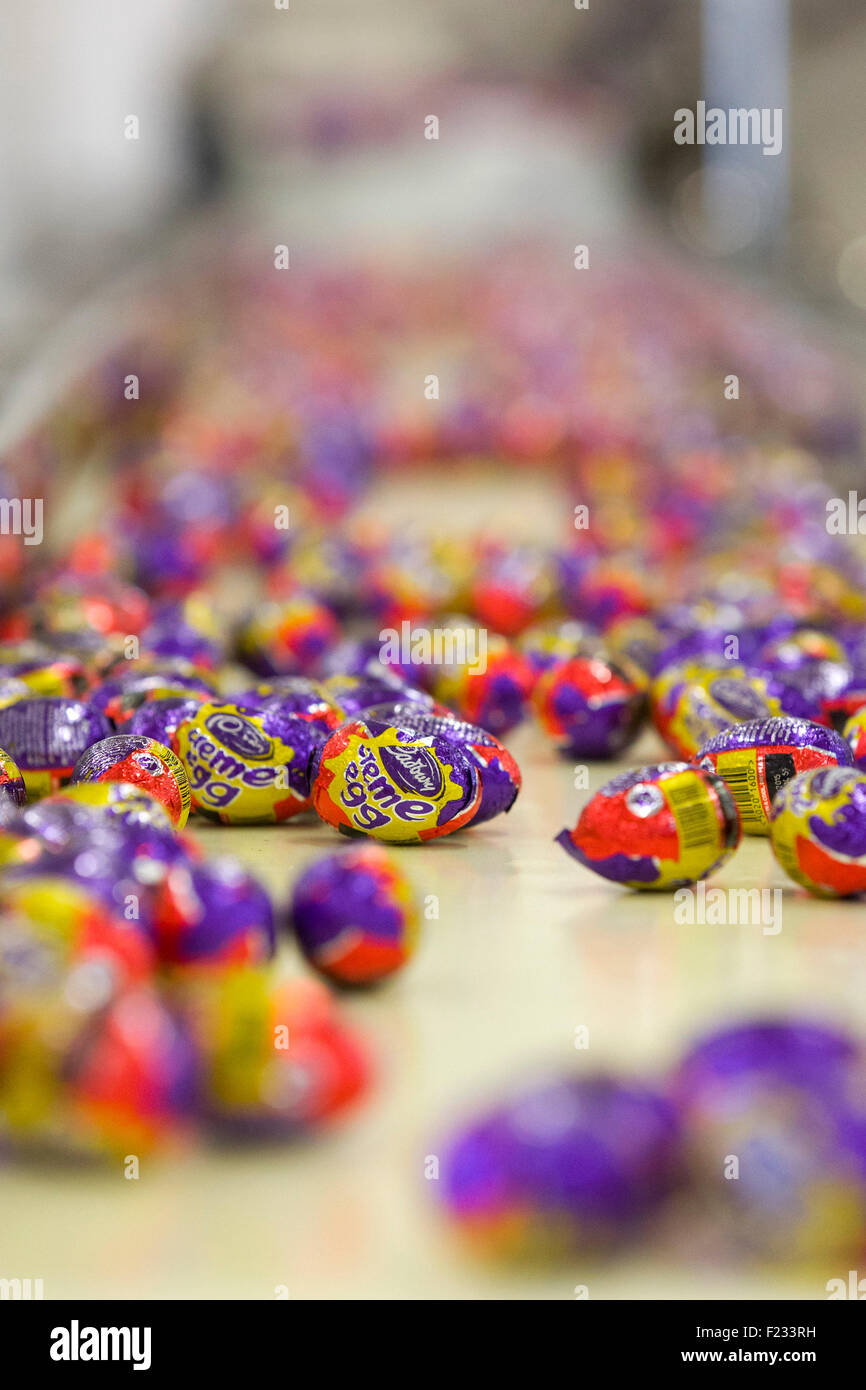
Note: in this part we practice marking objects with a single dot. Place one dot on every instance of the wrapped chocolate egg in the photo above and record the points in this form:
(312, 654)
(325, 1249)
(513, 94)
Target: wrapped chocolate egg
(818, 830)
(774, 1117)
(549, 644)
(126, 706)
(43, 671)
(492, 690)
(402, 712)
(46, 737)
(247, 766)
(354, 694)
(124, 817)
(498, 772)
(279, 1059)
(374, 779)
(854, 734)
(606, 593)
(799, 694)
(123, 866)
(757, 758)
(512, 589)
(354, 916)
(49, 923)
(702, 711)
(121, 695)
(589, 707)
(214, 913)
(133, 804)
(189, 629)
(796, 649)
(143, 762)
(636, 639)
(369, 656)
(707, 707)
(287, 638)
(671, 695)
(570, 1164)
(131, 1084)
(11, 781)
(811, 691)
(296, 695)
(656, 827)
(161, 718)
(65, 967)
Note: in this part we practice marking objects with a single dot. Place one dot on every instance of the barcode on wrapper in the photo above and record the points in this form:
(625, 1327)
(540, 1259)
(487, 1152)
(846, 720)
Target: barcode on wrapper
(695, 814)
(740, 776)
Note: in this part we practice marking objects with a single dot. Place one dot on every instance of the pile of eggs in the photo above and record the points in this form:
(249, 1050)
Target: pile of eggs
(140, 995)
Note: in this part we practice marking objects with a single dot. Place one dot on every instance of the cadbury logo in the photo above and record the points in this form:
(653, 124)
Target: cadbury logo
(413, 769)
(239, 734)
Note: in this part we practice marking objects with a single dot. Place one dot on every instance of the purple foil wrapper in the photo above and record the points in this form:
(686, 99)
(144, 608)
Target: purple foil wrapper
(803, 690)
(798, 733)
(218, 911)
(798, 1053)
(360, 657)
(586, 1157)
(171, 637)
(134, 682)
(346, 901)
(57, 823)
(123, 866)
(354, 694)
(788, 1098)
(160, 718)
(295, 695)
(301, 734)
(50, 733)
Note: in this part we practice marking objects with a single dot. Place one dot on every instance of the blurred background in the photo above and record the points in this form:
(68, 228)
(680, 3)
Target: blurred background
(312, 115)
